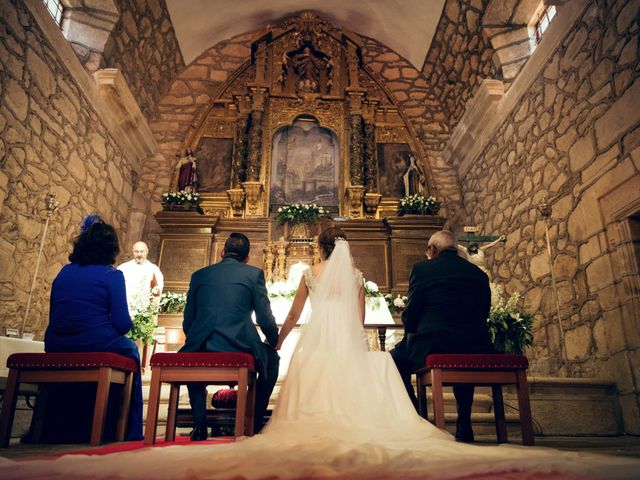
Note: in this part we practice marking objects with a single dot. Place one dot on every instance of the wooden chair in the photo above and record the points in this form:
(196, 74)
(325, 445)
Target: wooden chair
(494, 370)
(203, 367)
(103, 368)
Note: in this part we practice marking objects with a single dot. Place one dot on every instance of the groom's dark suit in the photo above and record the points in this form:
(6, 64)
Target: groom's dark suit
(217, 318)
(447, 311)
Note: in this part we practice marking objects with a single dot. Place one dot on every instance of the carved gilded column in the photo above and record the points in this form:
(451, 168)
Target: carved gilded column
(254, 146)
(252, 185)
(238, 167)
(370, 159)
(371, 197)
(238, 170)
(356, 189)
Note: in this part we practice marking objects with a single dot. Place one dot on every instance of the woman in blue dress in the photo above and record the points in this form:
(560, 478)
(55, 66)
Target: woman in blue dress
(88, 311)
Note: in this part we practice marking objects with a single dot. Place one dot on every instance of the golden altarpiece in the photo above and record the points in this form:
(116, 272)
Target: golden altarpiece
(303, 121)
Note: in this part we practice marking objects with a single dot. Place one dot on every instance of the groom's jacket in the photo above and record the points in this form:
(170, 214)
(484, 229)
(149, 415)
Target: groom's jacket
(217, 316)
(448, 308)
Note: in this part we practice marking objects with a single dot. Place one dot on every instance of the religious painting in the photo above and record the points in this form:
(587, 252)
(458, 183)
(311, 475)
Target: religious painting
(213, 157)
(304, 161)
(393, 161)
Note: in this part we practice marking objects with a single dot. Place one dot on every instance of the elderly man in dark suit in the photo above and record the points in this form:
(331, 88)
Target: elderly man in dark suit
(217, 318)
(447, 311)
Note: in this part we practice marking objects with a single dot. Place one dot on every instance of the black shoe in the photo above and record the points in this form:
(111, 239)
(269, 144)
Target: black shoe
(464, 432)
(199, 433)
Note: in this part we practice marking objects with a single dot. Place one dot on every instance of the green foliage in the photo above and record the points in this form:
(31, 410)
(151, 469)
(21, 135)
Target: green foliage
(509, 324)
(300, 213)
(143, 324)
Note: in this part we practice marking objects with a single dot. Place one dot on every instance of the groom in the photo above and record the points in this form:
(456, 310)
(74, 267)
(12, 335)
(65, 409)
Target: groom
(217, 318)
(447, 311)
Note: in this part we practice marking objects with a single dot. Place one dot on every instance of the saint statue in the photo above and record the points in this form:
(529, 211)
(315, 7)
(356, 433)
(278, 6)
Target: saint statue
(186, 170)
(308, 66)
(413, 179)
(475, 253)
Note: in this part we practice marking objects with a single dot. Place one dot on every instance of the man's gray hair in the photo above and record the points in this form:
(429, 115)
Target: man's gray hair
(443, 240)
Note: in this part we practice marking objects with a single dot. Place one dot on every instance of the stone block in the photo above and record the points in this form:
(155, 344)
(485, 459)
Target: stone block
(630, 407)
(539, 266)
(616, 368)
(599, 273)
(41, 74)
(76, 167)
(578, 342)
(589, 250)
(601, 164)
(16, 99)
(622, 115)
(615, 331)
(582, 152)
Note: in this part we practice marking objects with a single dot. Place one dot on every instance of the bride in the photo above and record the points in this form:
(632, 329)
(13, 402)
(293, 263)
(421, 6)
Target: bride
(342, 412)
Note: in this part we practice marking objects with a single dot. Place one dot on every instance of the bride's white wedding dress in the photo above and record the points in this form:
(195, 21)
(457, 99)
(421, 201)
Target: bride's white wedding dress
(342, 412)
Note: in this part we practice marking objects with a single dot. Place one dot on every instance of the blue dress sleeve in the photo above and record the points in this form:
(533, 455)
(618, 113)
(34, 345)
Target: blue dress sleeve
(118, 302)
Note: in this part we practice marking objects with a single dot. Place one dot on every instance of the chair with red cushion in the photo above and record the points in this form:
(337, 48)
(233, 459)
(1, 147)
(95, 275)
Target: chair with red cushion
(493, 370)
(103, 368)
(204, 367)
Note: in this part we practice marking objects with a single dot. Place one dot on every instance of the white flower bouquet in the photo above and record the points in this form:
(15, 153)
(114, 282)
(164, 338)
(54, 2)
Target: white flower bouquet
(396, 303)
(300, 213)
(419, 205)
(182, 197)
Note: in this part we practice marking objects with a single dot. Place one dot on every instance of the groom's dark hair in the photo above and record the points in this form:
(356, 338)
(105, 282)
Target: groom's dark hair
(237, 246)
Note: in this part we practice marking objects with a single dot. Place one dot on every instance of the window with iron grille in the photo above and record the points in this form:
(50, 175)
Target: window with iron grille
(547, 14)
(55, 9)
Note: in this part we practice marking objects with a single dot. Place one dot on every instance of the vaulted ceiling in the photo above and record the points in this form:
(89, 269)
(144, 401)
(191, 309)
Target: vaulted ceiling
(406, 26)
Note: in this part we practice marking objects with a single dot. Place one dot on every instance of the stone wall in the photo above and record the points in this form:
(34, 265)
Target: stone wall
(419, 102)
(189, 92)
(51, 140)
(460, 57)
(574, 138)
(144, 47)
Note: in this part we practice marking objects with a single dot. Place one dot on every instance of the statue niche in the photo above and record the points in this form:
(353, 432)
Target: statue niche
(305, 160)
(306, 70)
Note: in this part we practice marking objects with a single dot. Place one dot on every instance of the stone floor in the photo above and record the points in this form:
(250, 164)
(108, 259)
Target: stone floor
(626, 445)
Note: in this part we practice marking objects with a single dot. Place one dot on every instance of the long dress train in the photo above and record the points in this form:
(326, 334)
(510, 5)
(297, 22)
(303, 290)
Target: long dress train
(342, 412)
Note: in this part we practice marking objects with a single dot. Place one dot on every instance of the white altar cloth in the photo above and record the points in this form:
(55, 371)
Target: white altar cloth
(9, 345)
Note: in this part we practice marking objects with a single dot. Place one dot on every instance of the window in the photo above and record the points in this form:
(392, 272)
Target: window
(55, 9)
(547, 14)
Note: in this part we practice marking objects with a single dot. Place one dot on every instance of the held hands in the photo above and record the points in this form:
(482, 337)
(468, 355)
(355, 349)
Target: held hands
(155, 291)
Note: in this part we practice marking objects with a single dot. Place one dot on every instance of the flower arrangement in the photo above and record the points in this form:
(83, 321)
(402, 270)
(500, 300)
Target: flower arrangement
(183, 197)
(172, 302)
(281, 290)
(396, 303)
(419, 205)
(509, 324)
(300, 213)
(143, 324)
(371, 289)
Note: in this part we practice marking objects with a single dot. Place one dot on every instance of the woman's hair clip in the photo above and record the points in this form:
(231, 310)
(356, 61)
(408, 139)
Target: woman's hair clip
(90, 220)
(340, 239)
